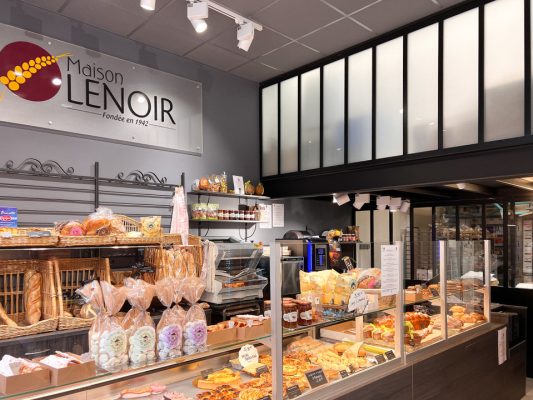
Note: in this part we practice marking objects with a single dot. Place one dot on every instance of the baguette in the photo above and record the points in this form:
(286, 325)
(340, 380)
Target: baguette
(5, 318)
(32, 296)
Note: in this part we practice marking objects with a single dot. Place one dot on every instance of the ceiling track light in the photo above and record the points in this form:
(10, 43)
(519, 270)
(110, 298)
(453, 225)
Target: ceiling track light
(148, 4)
(197, 13)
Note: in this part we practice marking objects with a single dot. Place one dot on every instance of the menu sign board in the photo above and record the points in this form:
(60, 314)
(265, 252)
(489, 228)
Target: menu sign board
(57, 86)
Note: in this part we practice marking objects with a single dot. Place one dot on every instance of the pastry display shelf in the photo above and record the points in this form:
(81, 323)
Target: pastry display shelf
(227, 195)
(106, 378)
(410, 303)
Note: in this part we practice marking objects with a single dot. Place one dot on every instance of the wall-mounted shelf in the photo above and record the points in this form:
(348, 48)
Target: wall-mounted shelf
(228, 195)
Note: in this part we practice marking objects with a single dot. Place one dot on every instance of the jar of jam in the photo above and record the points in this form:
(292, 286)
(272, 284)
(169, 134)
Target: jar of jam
(305, 313)
(290, 315)
(232, 214)
(241, 215)
(220, 214)
(268, 309)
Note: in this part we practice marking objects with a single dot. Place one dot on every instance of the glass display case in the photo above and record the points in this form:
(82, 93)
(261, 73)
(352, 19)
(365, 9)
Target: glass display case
(339, 332)
(341, 327)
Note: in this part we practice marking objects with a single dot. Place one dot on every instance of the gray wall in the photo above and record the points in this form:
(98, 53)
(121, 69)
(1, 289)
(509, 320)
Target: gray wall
(231, 131)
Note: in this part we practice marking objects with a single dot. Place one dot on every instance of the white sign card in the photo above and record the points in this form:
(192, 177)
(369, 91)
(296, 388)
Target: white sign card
(248, 355)
(238, 184)
(278, 215)
(390, 269)
(502, 345)
(358, 302)
(266, 216)
(76, 91)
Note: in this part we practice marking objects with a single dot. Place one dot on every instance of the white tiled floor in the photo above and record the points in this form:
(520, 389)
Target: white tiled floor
(529, 389)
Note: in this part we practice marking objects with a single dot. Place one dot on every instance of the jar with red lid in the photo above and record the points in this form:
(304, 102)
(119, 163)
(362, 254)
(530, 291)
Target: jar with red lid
(220, 214)
(290, 315)
(305, 313)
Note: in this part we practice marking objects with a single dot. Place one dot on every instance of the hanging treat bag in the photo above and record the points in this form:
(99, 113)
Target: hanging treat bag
(112, 342)
(169, 328)
(195, 328)
(91, 293)
(141, 333)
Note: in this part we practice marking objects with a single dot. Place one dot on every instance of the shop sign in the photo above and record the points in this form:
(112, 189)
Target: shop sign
(8, 217)
(57, 86)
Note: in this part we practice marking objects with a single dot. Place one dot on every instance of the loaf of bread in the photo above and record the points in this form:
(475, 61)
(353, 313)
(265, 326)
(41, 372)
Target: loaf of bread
(5, 318)
(32, 296)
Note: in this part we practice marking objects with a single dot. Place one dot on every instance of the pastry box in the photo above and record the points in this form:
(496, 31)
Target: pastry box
(71, 373)
(344, 331)
(251, 332)
(24, 382)
(411, 296)
(221, 336)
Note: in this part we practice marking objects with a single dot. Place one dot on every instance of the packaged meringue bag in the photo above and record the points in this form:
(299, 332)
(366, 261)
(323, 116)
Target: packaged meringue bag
(195, 324)
(91, 293)
(109, 339)
(141, 329)
(169, 328)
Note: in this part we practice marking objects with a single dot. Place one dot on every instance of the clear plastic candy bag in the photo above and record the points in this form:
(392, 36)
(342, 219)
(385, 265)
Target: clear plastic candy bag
(169, 329)
(141, 329)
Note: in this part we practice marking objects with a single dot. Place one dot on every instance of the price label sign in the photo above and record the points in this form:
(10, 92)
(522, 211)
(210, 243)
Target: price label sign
(261, 370)
(316, 378)
(248, 355)
(293, 391)
(380, 358)
(344, 373)
(390, 355)
(358, 302)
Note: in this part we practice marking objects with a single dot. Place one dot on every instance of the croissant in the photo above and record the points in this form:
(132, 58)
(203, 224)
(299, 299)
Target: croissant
(32, 296)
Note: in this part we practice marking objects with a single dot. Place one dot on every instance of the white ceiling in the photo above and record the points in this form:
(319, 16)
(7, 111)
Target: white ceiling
(295, 32)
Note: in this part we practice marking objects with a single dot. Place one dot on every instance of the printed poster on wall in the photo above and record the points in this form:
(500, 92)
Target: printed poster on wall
(266, 216)
(390, 269)
(278, 215)
(63, 88)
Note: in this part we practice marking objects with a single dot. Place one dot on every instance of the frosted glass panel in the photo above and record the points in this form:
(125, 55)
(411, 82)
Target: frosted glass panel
(310, 120)
(333, 118)
(423, 89)
(460, 81)
(270, 130)
(360, 106)
(289, 126)
(389, 99)
(504, 69)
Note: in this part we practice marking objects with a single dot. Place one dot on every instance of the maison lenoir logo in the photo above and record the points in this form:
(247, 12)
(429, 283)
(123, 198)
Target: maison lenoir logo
(29, 71)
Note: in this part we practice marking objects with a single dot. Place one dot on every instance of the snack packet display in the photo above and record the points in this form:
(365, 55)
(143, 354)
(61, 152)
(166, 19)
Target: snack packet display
(140, 327)
(195, 328)
(69, 228)
(169, 329)
(370, 278)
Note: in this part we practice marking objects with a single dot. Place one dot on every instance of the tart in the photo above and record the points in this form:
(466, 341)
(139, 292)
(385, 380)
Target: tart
(224, 377)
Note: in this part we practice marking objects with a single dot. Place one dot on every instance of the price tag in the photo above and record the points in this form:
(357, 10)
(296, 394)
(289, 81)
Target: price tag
(344, 373)
(316, 378)
(434, 292)
(380, 359)
(390, 355)
(206, 372)
(293, 391)
(261, 370)
(348, 263)
(358, 302)
(248, 355)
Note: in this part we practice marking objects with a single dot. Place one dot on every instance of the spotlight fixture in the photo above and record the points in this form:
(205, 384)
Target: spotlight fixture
(461, 186)
(245, 35)
(341, 198)
(361, 200)
(382, 202)
(395, 204)
(197, 13)
(406, 204)
(148, 5)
